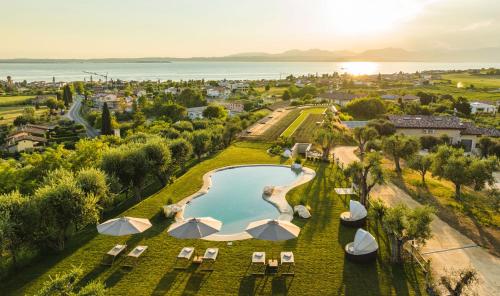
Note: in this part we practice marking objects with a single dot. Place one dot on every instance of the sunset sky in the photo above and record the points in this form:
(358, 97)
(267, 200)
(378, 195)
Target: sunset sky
(166, 28)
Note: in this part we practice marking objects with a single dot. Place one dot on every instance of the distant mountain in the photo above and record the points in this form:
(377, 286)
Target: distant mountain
(487, 55)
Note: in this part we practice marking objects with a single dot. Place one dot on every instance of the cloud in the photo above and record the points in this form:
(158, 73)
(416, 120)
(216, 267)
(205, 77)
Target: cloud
(477, 25)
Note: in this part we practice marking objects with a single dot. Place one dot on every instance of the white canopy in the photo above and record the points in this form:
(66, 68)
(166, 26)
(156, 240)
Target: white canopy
(302, 211)
(123, 226)
(195, 227)
(287, 153)
(364, 242)
(358, 211)
(273, 230)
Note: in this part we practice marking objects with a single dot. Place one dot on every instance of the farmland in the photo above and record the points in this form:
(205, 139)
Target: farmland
(302, 117)
(14, 100)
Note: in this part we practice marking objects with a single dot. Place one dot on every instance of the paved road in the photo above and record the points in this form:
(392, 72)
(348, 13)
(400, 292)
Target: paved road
(448, 248)
(74, 114)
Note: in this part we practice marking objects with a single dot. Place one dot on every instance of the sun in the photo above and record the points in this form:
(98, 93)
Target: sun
(369, 16)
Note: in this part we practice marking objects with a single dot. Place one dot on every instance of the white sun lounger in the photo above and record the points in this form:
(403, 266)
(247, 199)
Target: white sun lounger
(287, 262)
(184, 255)
(208, 260)
(258, 265)
(113, 254)
(133, 256)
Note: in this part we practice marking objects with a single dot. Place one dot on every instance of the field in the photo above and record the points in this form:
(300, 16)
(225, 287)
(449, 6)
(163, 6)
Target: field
(305, 132)
(274, 131)
(14, 100)
(8, 114)
(303, 115)
(479, 81)
(321, 268)
(273, 91)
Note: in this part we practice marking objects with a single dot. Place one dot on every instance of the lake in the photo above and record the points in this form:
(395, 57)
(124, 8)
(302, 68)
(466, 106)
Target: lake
(186, 70)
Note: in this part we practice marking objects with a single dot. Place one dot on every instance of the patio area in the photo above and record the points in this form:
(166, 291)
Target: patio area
(320, 264)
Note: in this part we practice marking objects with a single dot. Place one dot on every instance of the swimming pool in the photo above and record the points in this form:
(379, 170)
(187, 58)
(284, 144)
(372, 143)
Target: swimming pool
(235, 196)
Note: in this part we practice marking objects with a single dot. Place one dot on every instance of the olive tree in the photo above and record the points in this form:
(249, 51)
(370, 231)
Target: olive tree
(421, 163)
(201, 142)
(404, 224)
(399, 146)
(18, 216)
(366, 174)
(459, 282)
(363, 136)
(67, 284)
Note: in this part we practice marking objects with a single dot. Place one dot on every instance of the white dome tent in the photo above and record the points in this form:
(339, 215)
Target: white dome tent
(363, 248)
(287, 153)
(356, 217)
(302, 211)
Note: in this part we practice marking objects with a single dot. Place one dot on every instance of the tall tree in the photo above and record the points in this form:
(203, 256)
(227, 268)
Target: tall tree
(67, 95)
(422, 164)
(363, 136)
(106, 126)
(181, 151)
(399, 146)
(201, 142)
(404, 224)
(366, 174)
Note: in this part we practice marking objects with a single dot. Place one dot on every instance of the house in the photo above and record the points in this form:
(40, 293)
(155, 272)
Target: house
(478, 107)
(196, 112)
(26, 138)
(234, 107)
(22, 141)
(171, 90)
(339, 98)
(464, 133)
(114, 103)
(218, 92)
(240, 87)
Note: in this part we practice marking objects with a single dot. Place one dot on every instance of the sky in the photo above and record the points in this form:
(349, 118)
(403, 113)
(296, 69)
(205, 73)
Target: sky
(187, 28)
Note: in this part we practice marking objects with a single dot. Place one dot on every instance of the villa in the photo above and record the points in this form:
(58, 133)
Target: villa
(479, 107)
(196, 112)
(464, 133)
(26, 138)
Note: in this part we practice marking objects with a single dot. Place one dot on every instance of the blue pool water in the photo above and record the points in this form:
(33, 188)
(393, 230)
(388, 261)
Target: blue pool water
(235, 197)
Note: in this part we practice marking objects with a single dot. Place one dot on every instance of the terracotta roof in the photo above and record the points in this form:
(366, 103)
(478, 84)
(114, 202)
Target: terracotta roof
(471, 129)
(426, 121)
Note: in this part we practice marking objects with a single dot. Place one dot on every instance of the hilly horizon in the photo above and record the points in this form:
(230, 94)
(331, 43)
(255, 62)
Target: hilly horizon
(388, 54)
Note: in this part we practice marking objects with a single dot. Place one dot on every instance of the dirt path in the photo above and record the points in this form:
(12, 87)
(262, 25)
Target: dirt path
(448, 248)
(262, 126)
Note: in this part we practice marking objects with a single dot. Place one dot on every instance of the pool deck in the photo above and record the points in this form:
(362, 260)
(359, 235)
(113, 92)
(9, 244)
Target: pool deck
(278, 198)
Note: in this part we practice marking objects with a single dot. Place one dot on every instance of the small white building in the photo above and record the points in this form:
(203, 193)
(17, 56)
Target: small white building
(171, 90)
(196, 112)
(478, 107)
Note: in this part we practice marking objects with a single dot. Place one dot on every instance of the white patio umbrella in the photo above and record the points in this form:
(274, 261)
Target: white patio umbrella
(273, 230)
(195, 227)
(124, 226)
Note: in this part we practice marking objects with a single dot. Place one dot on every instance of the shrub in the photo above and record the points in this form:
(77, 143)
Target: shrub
(366, 108)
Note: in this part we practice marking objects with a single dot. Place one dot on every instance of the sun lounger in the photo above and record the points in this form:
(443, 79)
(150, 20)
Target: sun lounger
(258, 264)
(208, 260)
(184, 256)
(287, 263)
(111, 255)
(133, 257)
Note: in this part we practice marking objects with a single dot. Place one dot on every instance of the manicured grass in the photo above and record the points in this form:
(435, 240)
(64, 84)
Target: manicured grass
(273, 91)
(8, 114)
(274, 131)
(14, 100)
(479, 81)
(320, 265)
(305, 132)
(302, 117)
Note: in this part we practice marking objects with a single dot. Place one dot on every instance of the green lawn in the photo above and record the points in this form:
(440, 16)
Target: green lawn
(8, 114)
(320, 265)
(302, 117)
(14, 100)
(479, 81)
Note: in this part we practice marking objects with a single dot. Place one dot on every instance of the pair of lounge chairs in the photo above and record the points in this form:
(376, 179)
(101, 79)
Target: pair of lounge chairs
(131, 260)
(259, 265)
(187, 256)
